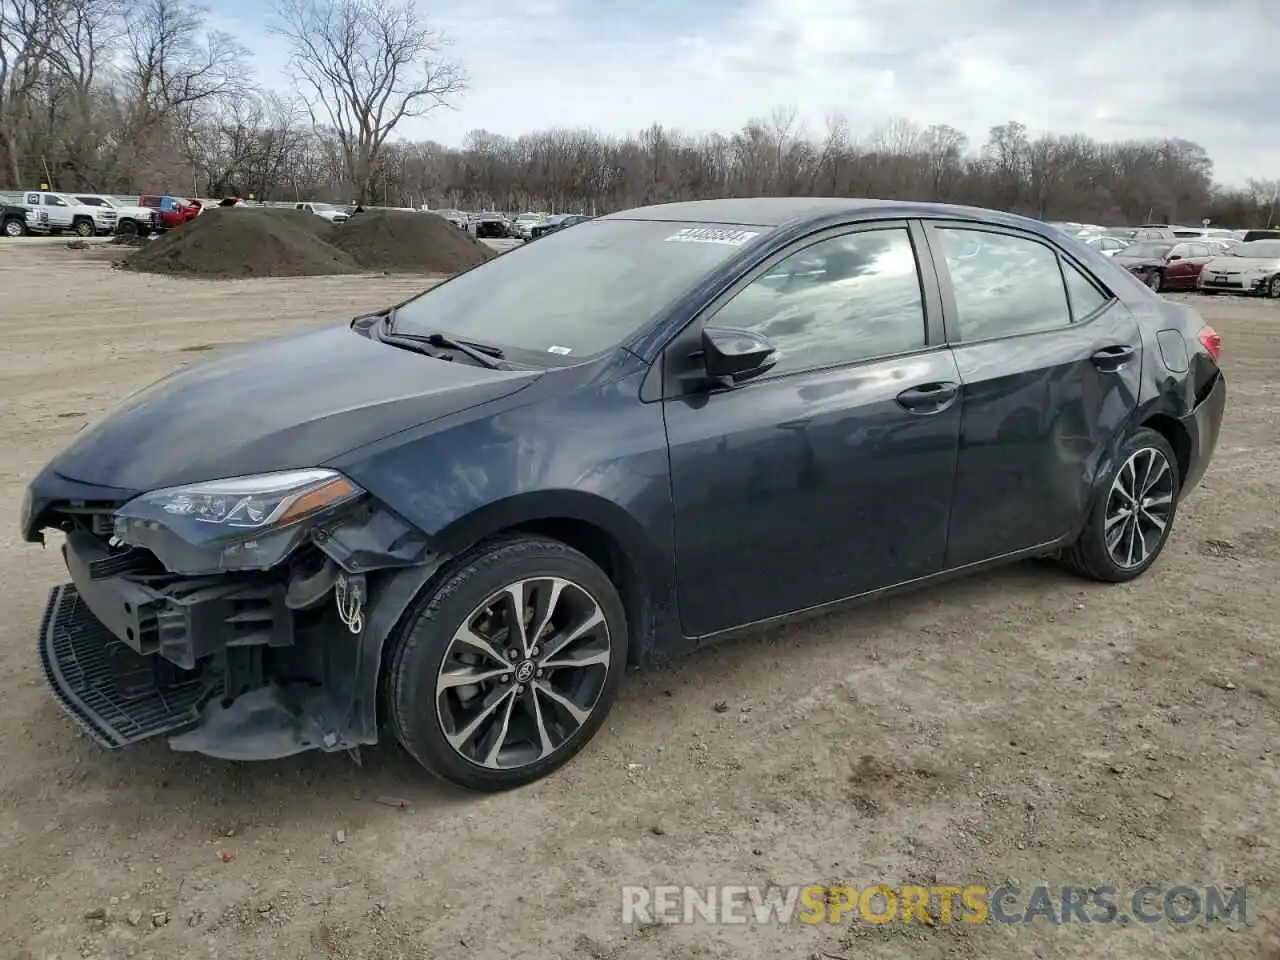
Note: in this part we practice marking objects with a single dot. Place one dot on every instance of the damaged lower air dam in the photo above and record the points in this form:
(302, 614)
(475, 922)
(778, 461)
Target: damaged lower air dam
(310, 590)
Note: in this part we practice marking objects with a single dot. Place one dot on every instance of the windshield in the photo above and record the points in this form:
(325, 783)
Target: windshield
(575, 293)
(1146, 250)
(1268, 249)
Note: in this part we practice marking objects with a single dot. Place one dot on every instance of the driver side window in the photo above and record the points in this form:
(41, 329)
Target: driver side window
(841, 300)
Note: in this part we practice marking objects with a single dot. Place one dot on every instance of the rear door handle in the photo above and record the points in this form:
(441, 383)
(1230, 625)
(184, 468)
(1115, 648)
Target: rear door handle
(1113, 357)
(929, 397)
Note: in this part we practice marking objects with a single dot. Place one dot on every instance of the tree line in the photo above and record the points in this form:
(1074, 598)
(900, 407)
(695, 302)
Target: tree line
(129, 96)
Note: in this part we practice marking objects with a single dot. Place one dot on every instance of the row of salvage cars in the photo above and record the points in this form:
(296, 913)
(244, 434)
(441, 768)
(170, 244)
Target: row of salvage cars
(1251, 268)
(91, 215)
(1168, 258)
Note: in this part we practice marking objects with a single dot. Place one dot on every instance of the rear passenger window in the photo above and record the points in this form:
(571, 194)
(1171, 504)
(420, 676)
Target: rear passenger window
(1003, 284)
(1084, 296)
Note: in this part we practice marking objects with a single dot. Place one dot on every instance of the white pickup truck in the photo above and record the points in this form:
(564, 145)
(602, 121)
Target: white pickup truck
(131, 220)
(326, 210)
(55, 212)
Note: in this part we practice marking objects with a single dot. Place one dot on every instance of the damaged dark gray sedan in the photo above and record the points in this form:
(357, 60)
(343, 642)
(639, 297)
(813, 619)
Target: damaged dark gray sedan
(461, 518)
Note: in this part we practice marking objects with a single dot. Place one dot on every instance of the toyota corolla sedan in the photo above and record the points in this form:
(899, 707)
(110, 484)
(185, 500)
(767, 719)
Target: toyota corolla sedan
(456, 521)
(1250, 268)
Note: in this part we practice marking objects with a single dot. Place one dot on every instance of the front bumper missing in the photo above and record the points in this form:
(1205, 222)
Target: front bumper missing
(115, 695)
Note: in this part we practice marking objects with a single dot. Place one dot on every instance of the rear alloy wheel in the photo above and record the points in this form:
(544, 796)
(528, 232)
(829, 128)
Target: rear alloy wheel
(1155, 280)
(510, 666)
(1133, 512)
(83, 228)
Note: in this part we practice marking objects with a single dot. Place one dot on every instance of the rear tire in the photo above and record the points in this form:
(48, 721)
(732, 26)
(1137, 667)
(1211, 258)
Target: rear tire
(1273, 288)
(1156, 281)
(508, 708)
(1132, 513)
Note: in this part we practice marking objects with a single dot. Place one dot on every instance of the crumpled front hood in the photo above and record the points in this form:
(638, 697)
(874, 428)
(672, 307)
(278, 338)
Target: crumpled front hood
(295, 401)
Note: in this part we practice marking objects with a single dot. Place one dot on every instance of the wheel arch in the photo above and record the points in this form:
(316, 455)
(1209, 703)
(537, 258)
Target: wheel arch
(603, 531)
(1179, 438)
(598, 528)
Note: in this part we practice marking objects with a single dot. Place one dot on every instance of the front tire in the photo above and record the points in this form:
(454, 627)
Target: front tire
(83, 228)
(1273, 288)
(15, 228)
(1134, 506)
(1156, 281)
(509, 666)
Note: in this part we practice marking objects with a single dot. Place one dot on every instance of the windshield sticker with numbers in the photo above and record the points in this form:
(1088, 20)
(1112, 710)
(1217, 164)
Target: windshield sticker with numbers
(731, 238)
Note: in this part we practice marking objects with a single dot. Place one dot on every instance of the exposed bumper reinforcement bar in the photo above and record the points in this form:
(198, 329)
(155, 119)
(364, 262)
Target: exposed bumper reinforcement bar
(115, 695)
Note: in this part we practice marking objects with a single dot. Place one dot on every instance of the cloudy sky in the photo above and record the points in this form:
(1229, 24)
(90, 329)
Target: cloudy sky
(1204, 71)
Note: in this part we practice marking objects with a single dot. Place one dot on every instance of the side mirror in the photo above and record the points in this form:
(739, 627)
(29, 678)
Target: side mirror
(730, 355)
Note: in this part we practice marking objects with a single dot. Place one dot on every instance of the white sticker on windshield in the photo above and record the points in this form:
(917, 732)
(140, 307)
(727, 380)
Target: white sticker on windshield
(562, 351)
(731, 238)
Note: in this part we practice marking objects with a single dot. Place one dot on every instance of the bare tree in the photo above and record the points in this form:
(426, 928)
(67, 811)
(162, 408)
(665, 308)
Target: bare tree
(27, 34)
(368, 64)
(174, 63)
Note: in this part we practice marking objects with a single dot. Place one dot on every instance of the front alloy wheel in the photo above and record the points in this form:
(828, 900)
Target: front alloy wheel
(83, 228)
(523, 673)
(509, 665)
(1273, 288)
(1155, 280)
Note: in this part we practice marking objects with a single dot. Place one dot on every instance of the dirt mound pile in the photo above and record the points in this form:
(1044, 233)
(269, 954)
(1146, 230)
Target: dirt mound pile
(235, 242)
(401, 241)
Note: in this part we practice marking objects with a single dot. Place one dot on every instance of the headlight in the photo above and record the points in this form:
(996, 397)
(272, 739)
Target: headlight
(234, 524)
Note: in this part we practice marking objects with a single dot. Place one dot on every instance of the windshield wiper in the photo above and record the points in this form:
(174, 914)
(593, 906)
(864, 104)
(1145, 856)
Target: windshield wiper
(482, 353)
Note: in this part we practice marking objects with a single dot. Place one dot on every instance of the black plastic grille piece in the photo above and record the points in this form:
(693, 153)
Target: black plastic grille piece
(115, 695)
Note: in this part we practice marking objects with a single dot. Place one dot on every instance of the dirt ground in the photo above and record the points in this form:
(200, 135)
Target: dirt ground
(1021, 725)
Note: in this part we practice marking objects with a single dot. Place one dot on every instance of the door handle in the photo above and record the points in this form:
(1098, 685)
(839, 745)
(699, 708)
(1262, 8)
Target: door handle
(1113, 357)
(929, 397)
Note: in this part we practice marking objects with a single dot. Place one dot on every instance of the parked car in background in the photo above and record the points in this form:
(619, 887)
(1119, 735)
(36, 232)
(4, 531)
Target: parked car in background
(174, 211)
(1248, 236)
(1251, 268)
(457, 521)
(522, 226)
(488, 226)
(58, 212)
(456, 217)
(326, 211)
(1163, 266)
(131, 221)
(559, 221)
(1107, 246)
(13, 219)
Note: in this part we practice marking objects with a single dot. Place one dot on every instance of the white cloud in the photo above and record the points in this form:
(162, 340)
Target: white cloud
(1107, 69)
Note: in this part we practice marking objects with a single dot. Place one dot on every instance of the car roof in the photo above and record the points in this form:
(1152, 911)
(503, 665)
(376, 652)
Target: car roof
(776, 211)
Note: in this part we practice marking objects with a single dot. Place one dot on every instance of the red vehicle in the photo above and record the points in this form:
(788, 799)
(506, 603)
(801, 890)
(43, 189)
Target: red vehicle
(1165, 265)
(174, 211)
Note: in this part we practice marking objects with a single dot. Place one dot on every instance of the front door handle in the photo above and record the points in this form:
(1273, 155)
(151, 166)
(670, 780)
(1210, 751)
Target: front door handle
(929, 397)
(1112, 358)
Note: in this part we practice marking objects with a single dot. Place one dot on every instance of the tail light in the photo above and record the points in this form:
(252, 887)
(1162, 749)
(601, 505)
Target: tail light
(1211, 341)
